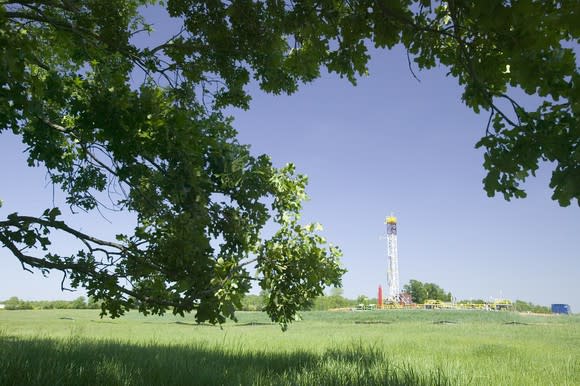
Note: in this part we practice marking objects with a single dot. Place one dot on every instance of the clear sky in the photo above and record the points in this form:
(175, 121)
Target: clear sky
(390, 144)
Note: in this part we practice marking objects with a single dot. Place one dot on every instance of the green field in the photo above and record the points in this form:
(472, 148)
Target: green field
(398, 347)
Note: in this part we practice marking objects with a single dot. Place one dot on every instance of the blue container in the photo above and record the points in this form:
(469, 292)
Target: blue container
(561, 309)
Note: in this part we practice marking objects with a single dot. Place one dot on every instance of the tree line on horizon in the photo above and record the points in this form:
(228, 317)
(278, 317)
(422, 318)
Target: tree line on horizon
(80, 303)
(335, 299)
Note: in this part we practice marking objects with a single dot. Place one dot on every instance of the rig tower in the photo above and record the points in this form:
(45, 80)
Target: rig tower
(393, 259)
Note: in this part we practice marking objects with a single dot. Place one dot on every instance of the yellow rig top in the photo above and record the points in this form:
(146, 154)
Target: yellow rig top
(391, 220)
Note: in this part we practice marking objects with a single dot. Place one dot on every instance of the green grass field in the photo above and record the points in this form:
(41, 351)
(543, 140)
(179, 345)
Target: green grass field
(398, 347)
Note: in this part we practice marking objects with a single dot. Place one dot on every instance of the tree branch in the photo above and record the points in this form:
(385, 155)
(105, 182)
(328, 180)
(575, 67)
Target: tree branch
(18, 221)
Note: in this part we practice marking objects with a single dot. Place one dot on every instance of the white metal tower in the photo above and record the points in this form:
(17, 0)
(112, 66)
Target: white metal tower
(393, 259)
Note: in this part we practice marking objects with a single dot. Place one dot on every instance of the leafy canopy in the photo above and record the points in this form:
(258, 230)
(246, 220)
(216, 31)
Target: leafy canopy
(69, 89)
(200, 198)
(491, 47)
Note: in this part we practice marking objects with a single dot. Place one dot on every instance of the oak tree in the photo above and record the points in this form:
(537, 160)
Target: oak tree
(201, 199)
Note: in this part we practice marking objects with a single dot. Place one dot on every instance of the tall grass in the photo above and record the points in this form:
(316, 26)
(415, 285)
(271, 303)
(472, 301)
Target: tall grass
(79, 361)
(358, 348)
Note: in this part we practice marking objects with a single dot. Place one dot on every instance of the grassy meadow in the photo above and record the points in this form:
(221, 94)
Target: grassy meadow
(397, 347)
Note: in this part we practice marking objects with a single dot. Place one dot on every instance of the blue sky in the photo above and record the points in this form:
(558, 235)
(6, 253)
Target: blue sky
(391, 144)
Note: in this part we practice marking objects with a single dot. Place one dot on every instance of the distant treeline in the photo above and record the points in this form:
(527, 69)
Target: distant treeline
(321, 303)
(249, 303)
(522, 306)
(15, 303)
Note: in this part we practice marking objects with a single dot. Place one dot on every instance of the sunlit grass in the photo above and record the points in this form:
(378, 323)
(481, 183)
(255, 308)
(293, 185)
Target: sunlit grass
(365, 348)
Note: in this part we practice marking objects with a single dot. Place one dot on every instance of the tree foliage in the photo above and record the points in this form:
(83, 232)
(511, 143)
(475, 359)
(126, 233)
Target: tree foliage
(200, 198)
(417, 291)
(490, 47)
(69, 89)
(420, 292)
